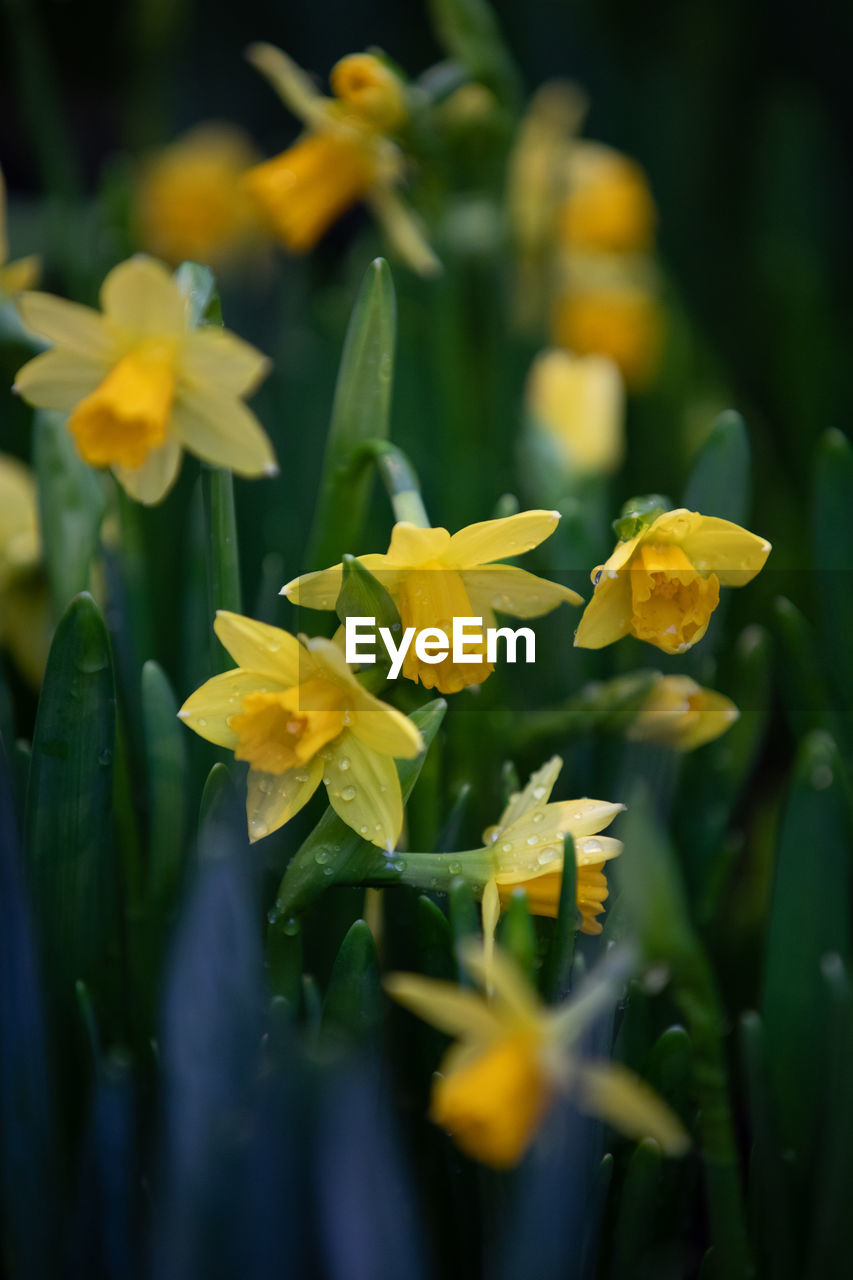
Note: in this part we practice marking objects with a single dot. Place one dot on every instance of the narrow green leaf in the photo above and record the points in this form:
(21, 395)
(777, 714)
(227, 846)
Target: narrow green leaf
(363, 596)
(557, 969)
(809, 916)
(636, 1218)
(468, 30)
(720, 480)
(71, 507)
(284, 960)
(804, 690)
(223, 556)
(166, 776)
(516, 933)
(353, 1005)
(833, 537)
(361, 412)
(333, 852)
(464, 919)
(69, 841)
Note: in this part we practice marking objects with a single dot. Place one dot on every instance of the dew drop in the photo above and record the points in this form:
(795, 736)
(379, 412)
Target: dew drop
(202, 723)
(506, 848)
(343, 763)
(363, 830)
(259, 829)
(532, 840)
(593, 846)
(321, 856)
(301, 777)
(348, 793)
(539, 793)
(455, 868)
(539, 817)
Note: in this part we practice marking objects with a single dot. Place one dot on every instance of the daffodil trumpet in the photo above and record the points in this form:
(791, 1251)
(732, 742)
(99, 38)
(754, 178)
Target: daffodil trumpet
(513, 1058)
(523, 851)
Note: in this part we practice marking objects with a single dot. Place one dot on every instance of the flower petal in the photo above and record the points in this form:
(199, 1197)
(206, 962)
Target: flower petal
(718, 546)
(412, 546)
(614, 1094)
(498, 539)
(515, 591)
(513, 996)
(534, 795)
(586, 817)
(457, 1011)
(403, 230)
(364, 791)
(289, 81)
(21, 274)
(59, 379)
(320, 590)
(218, 428)
(208, 710)
(153, 480)
(607, 617)
(273, 799)
(382, 728)
(268, 651)
(142, 298)
(214, 357)
(591, 850)
(79, 329)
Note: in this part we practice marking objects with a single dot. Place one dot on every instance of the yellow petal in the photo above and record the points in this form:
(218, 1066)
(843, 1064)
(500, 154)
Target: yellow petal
(587, 817)
(591, 850)
(142, 298)
(81, 330)
(289, 81)
(384, 729)
(267, 651)
(364, 791)
(412, 546)
(508, 589)
(457, 1011)
(498, 539)
(214, 357)
(607, 617)
(59, 379)
(153, 480)
(23, 273)
(614, 1094)
(403, 230)
(718, 546)
(514, 998)
(273, 799)
(320, 590)
(208, 710)
(534, 795)
(218, 428)
(19, 522)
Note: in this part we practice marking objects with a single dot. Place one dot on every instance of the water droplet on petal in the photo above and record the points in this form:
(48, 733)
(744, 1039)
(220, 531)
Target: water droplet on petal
(539, 793)
(343, 763)
(348, 793)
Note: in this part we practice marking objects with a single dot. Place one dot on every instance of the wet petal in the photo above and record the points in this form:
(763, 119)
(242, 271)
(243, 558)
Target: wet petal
(208, 710)
(499, 539)
(79, 329)
(384, 729)
(218, 428)
(268, 651)
(59, 379)
(273, 799)
(607, 617)
(534, 795)
(515, 591)
(142, 298)
(718, 546)
(364, 791)
(320, 590)
(214, 357)
(412, 546)
(153, 480)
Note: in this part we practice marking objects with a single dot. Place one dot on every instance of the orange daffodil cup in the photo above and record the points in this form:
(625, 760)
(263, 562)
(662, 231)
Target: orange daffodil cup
(663, 584)
(296, 714)
(513, 1058)
(140, 385)
(433, 577)
(345, 156)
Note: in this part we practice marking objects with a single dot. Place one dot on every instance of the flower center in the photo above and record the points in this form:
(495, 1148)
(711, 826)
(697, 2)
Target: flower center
(281, 731)
(672, 602)
(128, 414)
(432, 596)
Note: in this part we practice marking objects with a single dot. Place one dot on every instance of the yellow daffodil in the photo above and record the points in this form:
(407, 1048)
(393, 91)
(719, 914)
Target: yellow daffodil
(296, 714)
(605, 307)
(578, 402)
(24, 620)
(663, 584)
(681, 714)
(345, 156)
(608, 205)
(24, 272)
(434, 577)
(191, 202)
(538, 174)
(513, 1058)
(141, 386)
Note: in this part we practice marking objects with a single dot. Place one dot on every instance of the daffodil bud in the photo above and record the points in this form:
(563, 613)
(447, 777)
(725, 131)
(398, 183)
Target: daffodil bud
(608, 205)
(578, 403)
(681, 714)
(368, 85)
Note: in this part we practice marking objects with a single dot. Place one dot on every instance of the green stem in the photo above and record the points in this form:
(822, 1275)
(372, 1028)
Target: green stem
(398, 476)
(223, 560)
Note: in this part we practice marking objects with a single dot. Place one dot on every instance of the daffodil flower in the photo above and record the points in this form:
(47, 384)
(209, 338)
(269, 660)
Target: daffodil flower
(296, 714)
(578, 404)
(513, 1058)
(681, 714)
(345, 156)
(434, 577)
(663, 584)
(24, 272)
(608, 205)
(141, 386)
(24, 618)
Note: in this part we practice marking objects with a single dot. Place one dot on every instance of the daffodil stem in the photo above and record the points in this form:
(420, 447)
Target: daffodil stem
(400, 481)
(436, 871)
(223, 559)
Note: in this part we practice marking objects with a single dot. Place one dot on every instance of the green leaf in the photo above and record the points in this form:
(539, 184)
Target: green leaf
(809, 916)
(720, 480)
(353, 1004)
(637, 1213)
(516, 934)
(284, 960)
(361, 412)
(333, 852)
(468, 30)
(71, 507)
(198, 285)
(166, 776)
(223, 556)
(832, 523)
(804, 691)
(69, 840)
(363, 596)
(557, 968)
